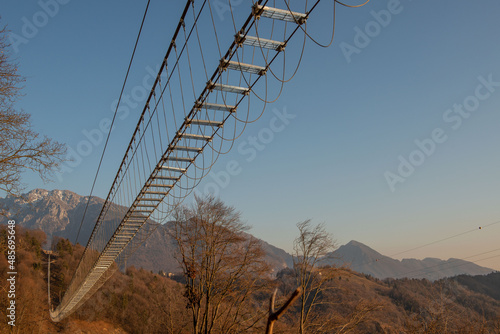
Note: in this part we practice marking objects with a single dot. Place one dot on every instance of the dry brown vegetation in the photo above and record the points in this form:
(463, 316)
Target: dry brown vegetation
(222, 269)
(312, 244)
(140, 301)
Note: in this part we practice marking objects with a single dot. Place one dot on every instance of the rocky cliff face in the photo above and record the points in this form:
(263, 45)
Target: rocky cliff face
(56, 212)
(59, 213)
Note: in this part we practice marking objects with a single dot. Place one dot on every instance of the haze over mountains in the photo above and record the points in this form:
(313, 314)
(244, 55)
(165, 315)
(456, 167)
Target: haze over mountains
(59, 213)
(362, 258)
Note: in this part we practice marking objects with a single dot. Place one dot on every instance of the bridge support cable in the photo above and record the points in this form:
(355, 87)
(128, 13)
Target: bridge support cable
(178, 138)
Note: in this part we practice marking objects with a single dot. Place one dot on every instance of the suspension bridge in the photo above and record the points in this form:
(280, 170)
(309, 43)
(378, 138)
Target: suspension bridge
(201, 101)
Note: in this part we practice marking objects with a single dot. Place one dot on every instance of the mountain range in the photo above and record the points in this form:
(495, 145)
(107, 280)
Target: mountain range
(59, 213)
(364, 259)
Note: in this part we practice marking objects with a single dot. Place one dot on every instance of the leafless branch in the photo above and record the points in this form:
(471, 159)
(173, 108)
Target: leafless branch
(21, 148)
(274, 316)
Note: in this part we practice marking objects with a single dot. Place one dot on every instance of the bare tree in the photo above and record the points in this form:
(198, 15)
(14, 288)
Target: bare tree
(21, 148)
(441, 313)
(312, 244)
(222, 267)
(360, 312)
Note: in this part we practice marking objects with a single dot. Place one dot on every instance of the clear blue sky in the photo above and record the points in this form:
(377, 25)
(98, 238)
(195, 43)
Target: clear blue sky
(359, 106)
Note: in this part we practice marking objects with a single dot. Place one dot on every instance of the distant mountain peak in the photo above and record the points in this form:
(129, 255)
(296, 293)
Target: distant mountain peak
(355, 243)
(56, 212)
(38, 194)
(59, 213)
(362, 258)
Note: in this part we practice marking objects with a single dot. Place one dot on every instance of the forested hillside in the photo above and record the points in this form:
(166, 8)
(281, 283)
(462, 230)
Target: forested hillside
(140, 301)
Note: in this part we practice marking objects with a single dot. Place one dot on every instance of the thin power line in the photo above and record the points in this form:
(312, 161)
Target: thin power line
(425, 270)
(113, 121)
(447, 238)
(358, 265)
